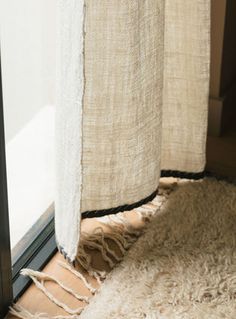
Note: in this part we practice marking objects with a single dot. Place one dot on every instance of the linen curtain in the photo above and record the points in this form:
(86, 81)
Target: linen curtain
(132, 99)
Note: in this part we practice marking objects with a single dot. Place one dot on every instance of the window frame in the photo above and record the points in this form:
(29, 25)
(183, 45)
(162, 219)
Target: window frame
(39, 244)
(6, 292)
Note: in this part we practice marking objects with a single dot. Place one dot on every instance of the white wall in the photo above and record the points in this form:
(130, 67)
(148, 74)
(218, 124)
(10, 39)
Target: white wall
(27, 35)
(28, 54)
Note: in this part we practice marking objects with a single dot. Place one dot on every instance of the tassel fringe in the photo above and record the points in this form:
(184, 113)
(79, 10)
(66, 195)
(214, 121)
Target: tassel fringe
(20, 312)
(119, 232)
(78, 275)
(39, 278)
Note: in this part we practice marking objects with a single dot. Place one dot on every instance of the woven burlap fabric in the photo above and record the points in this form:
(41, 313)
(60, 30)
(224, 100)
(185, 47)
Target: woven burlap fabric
(122, 101)
(186, 84)
(69, 104)
(132, 100)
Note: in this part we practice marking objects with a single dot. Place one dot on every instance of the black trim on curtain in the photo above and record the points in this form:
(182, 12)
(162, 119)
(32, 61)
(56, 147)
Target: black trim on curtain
(127, 207)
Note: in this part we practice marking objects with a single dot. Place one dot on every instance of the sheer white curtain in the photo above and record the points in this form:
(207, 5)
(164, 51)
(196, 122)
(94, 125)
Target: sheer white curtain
(132, 98)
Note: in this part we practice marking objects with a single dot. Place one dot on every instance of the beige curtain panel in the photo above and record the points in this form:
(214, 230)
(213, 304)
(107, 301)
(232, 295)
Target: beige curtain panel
(132, 100)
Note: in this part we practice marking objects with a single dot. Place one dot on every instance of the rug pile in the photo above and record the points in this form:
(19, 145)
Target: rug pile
(183, 266)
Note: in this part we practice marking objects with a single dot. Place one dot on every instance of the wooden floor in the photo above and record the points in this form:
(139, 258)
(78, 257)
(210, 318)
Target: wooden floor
(221, 159)
(35, 301)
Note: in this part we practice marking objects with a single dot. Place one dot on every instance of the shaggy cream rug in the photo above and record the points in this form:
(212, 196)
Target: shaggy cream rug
(183, 266)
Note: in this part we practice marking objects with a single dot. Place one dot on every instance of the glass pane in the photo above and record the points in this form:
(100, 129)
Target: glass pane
(28, 76)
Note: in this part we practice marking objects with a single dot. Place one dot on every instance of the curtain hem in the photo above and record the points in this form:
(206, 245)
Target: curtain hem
(180, 174)
(127, 207)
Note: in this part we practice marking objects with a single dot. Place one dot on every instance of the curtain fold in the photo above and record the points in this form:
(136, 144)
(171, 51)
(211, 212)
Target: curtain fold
(132, 97)
(186, 85)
